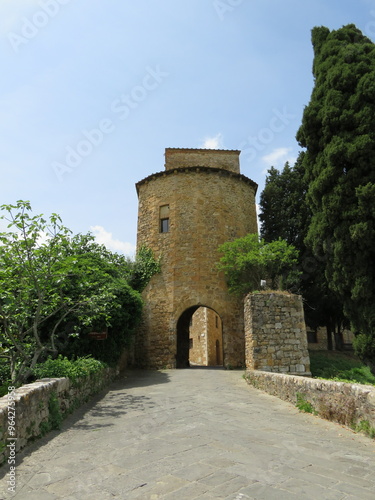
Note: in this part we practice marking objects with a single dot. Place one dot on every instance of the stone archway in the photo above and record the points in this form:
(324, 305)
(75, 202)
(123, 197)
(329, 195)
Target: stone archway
(199, 338)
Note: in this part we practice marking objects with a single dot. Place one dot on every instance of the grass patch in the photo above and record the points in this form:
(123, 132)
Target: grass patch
(365, 427)
(340, 366)
(304, 405)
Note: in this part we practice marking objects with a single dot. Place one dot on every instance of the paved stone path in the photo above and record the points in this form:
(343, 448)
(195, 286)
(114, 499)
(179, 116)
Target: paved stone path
(195, 434)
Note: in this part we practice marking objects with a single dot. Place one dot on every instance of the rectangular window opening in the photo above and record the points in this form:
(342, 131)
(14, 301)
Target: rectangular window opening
(164, 225)
(164, 219)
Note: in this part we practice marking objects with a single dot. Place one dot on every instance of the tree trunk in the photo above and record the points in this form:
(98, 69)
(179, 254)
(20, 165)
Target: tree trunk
(339, 341)
(329, 336)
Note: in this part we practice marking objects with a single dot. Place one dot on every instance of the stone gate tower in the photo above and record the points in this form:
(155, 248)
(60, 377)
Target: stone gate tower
(198, 202)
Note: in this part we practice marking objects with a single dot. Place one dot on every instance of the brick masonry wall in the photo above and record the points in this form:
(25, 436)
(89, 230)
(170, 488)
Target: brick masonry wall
(32, 405)
(340, 402)
(207, 206)
(275, 333)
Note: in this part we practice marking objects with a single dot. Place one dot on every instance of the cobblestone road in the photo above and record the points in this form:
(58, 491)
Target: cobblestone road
(195, 434)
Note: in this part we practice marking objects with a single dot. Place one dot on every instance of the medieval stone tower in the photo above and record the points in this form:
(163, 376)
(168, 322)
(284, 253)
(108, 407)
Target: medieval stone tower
(198, 202)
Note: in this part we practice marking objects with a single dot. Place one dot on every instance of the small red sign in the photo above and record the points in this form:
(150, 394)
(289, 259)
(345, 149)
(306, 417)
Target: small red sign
(98, 335)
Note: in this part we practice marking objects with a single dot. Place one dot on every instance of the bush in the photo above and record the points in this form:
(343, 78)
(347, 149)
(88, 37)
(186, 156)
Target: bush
(125, 315)
(72, 369)
(5, 380)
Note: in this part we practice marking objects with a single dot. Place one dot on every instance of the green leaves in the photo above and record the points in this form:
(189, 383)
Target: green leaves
(53, 285)
(338, 130)
(246, 261)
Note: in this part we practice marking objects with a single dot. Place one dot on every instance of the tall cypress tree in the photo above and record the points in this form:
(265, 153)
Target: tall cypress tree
(338, 132)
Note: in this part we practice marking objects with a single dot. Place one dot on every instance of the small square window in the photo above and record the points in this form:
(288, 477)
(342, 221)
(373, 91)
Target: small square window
(164, 225)
(312, 337)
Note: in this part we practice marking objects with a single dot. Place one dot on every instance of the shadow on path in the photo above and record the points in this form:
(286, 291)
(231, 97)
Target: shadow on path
(103, 408)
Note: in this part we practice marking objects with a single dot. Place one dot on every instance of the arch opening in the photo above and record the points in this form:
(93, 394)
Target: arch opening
(199, 338)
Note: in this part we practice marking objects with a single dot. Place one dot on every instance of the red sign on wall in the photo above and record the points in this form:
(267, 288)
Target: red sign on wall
(98, 335)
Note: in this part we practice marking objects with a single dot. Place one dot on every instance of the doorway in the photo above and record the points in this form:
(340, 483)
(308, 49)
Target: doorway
(199, 338)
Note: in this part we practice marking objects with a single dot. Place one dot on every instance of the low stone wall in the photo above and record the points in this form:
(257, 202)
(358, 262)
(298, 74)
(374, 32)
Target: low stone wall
(30, 411)
(341, 402)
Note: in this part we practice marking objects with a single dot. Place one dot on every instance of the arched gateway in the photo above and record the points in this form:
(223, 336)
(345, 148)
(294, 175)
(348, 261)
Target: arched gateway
(198, 202)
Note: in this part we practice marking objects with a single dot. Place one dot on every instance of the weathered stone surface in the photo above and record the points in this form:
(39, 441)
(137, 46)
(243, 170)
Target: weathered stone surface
(206, 338)
(213, 158)
(31, 405)
(209, 203)
(192, 435)
(337, 401)
(275, 333)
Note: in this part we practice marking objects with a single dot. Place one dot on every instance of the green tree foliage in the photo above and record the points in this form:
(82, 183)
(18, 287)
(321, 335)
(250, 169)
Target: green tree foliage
(248, 260)
(55, 288)
(143, 268)
(285, 214)
(338, 132)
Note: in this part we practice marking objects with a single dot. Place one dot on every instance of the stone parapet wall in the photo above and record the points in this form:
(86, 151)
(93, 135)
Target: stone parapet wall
(32, 406)
(214, 158)
(275, 333)
(341, 402)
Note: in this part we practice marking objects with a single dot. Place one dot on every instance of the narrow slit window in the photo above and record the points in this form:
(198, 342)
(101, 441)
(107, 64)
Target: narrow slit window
(164, 225)
(164, 219)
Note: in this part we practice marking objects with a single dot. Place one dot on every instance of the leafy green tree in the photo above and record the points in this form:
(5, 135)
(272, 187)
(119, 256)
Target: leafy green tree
(54, 288)
(248, 260)
(338, 132)
(285, 214)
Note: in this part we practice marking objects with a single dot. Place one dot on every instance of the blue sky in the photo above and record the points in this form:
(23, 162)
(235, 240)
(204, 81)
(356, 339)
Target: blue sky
(93, 91)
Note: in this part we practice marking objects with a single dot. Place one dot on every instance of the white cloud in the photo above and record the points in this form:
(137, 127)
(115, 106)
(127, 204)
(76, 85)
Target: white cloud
(106, 238)
(278, 157)
(215, 142)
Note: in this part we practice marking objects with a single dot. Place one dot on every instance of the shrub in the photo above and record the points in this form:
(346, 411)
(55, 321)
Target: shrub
(304, 405)
(72, 369)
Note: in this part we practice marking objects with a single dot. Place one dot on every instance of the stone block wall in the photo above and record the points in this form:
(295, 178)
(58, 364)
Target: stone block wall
(320, 342)
(213, 158)
(275, 333)
(206, 338)
(31, 406)
(198, 338)
(345, 403)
